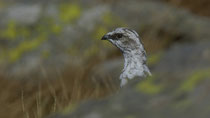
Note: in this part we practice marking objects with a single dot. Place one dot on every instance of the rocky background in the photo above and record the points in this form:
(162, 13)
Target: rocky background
(53, 63)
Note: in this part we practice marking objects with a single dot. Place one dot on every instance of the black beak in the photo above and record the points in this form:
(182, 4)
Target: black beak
(105, 37)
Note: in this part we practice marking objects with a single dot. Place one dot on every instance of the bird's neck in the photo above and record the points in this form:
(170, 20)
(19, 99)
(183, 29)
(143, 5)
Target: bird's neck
(134, 65)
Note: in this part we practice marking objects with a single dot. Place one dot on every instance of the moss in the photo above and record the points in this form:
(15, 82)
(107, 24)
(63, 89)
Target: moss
(69, 12)
(195, 79)
(154, 58)
(149, 86)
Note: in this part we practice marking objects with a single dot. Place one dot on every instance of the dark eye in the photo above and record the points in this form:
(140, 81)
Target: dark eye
(119, 35)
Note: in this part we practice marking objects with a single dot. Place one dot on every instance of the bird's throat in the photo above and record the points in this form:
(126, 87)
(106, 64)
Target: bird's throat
(134, 65)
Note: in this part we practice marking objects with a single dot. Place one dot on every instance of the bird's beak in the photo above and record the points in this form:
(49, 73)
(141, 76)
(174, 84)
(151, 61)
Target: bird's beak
(105, 37)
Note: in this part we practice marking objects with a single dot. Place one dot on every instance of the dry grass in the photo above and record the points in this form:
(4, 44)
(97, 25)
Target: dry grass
(37, 99)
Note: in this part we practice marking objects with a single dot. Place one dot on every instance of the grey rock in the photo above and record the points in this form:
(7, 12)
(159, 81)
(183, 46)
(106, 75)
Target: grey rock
(182, 59)
(92, 16)
(23, 13)
(152, 17)
(156, 17)
(172, 101)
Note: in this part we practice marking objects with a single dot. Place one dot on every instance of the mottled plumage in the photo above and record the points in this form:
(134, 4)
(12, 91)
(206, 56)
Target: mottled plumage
(128, 42)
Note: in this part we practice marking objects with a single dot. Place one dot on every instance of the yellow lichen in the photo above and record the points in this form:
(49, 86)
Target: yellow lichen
(194, 79)
(56, 28)
(69, 12)
(23, 47)
(148, 86)
(10, 32)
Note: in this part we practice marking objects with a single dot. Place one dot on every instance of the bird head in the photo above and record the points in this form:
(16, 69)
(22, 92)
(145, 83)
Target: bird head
(128, 42)
(123, 38)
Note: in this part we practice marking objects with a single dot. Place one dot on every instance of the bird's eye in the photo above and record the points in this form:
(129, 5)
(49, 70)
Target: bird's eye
(119, 35)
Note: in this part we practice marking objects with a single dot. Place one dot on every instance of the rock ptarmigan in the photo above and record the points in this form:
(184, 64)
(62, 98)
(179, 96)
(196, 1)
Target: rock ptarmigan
(128, 41)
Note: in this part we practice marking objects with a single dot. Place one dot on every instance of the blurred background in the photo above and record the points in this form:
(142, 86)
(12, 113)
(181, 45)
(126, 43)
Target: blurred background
(53, 63)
